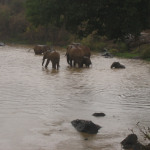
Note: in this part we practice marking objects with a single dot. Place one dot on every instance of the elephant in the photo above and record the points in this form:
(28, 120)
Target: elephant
(39, 49)
(117, 65)
(52, 56)
(86, 61)
(79, 54)
(86, 50)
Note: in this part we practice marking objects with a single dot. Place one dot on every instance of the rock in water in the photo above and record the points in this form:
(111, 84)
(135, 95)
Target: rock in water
(85, 126)
(99, 114)
(131, 142)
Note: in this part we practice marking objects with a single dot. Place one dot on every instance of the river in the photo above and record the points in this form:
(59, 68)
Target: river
(37, 105)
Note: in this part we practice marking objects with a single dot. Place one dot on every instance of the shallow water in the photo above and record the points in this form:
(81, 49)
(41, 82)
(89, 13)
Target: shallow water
(37, 105)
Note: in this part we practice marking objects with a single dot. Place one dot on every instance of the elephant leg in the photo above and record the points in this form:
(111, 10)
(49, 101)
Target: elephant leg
(43, 61)
(74, 63)
(47, 63)
(71, 62)
(68, 60)
(57, 64)
(53, 65)
(80, 65)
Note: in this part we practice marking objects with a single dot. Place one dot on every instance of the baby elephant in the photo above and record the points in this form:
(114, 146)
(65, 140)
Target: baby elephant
(117, 65)
(52, 56)
(87, 61)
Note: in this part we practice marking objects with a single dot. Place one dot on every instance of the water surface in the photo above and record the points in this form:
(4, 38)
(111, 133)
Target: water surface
(37, 105)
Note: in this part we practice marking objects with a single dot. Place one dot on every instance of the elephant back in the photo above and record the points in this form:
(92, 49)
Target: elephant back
(39, 49)
(76, 53)
(86, 50)
(54, 56)
(46, 54)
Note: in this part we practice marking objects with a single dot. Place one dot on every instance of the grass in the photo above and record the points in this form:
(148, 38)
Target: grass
(127, 55)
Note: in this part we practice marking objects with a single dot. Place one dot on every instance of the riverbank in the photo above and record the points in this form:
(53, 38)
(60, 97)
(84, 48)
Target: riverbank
(142, 52)
(117, 49)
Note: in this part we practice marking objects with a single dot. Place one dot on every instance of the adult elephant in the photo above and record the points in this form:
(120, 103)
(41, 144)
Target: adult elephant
(52, 56)
(86, 50)
(78, 54)
(39, 49)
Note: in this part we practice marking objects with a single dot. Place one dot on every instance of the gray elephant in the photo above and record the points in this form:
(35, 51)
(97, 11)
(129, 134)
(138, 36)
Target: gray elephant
(40, 49)
(86, 61)
(117, 65)
(52, 56)
(78, 54)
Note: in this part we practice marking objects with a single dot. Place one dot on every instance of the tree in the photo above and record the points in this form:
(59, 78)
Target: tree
(113, 18)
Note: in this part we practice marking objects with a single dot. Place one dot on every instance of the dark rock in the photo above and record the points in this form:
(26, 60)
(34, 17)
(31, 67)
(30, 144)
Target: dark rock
(107, 55)
(144, 38)
(86, 139)
(138, 146)
(2, 44)
(85, 126)
(147, 147)
(131, 142)
(117, 65)
(99, 114)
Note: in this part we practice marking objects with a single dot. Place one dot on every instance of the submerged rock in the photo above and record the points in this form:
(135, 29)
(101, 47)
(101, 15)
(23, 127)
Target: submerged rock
(131, 143)
(2, 44)
(85, 126)
(99, 114)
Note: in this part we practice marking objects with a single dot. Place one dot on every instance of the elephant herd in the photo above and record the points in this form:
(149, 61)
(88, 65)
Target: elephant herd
(76, 54)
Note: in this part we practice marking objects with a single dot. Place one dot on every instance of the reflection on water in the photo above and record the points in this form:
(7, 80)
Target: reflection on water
(38, 104)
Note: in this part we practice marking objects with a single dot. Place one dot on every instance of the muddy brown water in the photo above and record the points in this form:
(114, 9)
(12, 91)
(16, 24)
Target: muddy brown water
(37, 105)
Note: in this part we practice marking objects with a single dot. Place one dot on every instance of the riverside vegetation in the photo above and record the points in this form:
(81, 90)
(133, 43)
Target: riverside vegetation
(57, 24)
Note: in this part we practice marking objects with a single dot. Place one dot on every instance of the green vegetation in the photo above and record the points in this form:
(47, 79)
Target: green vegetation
(114, 18)
(98, 24)
(127, 55)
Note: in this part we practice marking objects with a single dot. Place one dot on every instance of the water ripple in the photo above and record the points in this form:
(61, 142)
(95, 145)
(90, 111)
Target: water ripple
(35, 101)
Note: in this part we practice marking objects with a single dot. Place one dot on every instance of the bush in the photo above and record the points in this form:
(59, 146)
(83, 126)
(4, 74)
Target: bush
(96, 43)
(114, 51)
(122, 46)
(145, 53)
